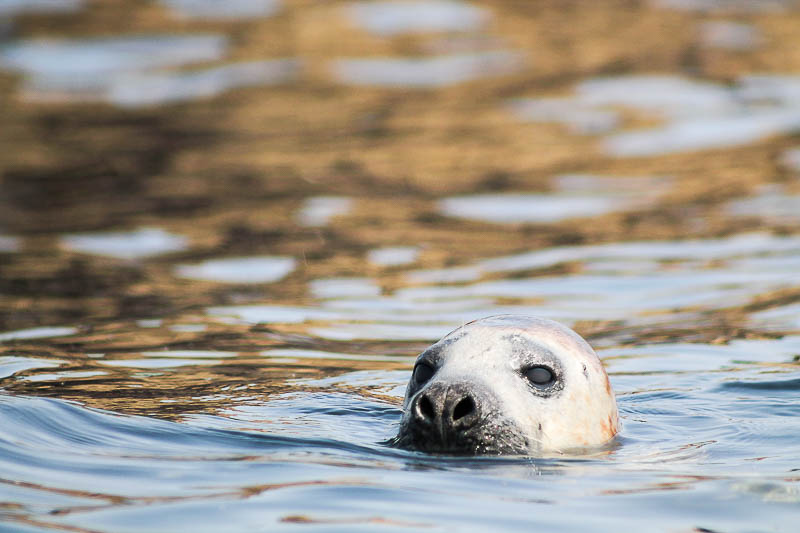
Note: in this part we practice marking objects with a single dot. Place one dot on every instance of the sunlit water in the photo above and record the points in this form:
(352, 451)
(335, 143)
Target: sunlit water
(710, 429)
(264, 398)
(711, 439)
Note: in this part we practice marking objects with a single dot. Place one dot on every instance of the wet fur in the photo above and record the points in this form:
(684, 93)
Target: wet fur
(517, 418)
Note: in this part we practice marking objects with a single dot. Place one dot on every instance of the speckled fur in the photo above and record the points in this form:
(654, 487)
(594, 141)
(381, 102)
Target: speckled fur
(488, 356)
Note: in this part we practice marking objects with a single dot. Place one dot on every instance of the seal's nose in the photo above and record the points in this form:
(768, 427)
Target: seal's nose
(449, 408)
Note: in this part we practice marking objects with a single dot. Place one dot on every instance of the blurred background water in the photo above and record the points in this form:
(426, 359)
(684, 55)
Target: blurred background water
(227, 229)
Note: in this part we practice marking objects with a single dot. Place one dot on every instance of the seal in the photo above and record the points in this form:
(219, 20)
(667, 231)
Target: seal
(508, 385)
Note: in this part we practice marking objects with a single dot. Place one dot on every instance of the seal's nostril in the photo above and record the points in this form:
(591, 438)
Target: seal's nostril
(426, 408)
(463, 408)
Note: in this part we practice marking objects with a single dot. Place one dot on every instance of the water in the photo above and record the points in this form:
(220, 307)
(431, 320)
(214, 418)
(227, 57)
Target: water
(8, 243)
(425, 72)
(137, 244)
(235, 10)
(700, 440)
(226, 233)
(706, 426)
(264, 269)
(579, 117)
(148, 89)
(392, 18)
(91, 68)
(697, 115)
(791, 159)
(770, 202)
(16, 7)
(735, 6)
(393, 255)
(730, 35)
(575, 196)
(319, 210)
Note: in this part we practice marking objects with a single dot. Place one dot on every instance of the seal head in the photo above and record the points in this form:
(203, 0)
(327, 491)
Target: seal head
(508, 385)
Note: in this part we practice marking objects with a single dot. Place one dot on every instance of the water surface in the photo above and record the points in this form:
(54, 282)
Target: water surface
(228, 228)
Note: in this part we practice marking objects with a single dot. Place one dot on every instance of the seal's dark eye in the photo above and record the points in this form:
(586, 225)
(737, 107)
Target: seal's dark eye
(539, 375)
(422, 373)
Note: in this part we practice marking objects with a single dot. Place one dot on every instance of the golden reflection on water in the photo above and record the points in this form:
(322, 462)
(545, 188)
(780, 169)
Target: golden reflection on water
(230, 174)
(140, 375)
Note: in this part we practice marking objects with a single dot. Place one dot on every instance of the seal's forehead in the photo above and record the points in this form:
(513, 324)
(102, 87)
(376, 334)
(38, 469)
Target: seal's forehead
(513, 322)
(539, 329)
(506, 324)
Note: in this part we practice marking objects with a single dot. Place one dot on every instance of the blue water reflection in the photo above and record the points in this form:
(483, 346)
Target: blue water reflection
(255, 214)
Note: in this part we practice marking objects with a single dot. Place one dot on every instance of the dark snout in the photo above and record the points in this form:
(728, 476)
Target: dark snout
(446, 418)
(459, 418)
(448, 410)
